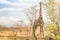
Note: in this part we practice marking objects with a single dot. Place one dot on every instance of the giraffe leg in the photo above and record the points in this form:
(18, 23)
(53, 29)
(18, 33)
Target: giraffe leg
(42, 33)
(34, 34)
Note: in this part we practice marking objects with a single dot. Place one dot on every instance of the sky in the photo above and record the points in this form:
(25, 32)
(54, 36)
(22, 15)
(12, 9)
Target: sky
(12, 11)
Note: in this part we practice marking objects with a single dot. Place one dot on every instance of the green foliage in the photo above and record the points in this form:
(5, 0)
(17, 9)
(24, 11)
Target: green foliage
(53, 28)
(58, 37)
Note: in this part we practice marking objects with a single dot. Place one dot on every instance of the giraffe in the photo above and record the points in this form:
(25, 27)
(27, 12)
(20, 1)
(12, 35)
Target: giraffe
(38, 22)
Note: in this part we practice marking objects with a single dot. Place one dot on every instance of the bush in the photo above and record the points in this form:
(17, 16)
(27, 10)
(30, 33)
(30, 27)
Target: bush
(58, 37)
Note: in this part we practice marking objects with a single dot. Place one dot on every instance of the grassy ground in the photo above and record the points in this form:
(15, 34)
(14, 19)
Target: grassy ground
(22, 38)
(16, 38)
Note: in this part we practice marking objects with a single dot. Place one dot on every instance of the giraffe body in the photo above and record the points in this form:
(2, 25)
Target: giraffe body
(38, 23)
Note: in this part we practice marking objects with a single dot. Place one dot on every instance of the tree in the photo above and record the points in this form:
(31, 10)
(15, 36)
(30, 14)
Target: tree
(31, 14)
(53, 13)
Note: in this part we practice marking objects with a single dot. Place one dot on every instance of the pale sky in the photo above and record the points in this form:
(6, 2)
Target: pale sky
(11, 11)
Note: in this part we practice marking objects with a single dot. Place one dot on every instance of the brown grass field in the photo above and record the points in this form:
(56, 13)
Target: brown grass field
(16, 38)
(15, 34)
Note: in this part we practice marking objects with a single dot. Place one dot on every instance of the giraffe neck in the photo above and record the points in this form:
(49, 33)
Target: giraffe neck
(40, 14)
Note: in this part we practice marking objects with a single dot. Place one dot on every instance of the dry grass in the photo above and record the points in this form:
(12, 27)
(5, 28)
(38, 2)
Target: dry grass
(22, 34)
(16, 38)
